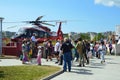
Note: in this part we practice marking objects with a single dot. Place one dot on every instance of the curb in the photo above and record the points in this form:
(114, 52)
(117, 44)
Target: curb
(53, 75)
(8, 57)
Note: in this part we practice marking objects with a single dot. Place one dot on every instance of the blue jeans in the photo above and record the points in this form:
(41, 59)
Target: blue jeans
(102, 53)
(76, 54)
(67, 61)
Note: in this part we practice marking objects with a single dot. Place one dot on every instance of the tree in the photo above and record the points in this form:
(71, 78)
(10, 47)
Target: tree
(98, 37)
(85, 36)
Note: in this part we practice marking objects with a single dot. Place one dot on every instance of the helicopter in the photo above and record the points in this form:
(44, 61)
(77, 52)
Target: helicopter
(41, 32)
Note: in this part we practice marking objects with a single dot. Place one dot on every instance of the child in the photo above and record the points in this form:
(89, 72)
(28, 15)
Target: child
(39, 55)
(24, 51)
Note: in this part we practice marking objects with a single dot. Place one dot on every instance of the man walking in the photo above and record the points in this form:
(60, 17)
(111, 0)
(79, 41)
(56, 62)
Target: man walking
(81, 52)
(66, 48)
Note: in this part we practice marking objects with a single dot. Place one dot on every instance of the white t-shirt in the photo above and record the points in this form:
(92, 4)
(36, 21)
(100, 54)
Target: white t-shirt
(57, 47)
(33, 38)
(39, 52)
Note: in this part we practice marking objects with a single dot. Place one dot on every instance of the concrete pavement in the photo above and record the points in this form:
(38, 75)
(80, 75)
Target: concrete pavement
(10, 62)
(110, 70)
(15, 62)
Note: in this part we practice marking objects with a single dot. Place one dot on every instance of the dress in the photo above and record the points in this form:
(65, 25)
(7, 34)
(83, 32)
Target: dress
(39, 55)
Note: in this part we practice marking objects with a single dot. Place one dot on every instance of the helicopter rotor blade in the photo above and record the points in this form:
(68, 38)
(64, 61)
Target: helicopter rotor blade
(51, 21)
(12, 27)
(12, 22)
(48, 24)
(38, 18)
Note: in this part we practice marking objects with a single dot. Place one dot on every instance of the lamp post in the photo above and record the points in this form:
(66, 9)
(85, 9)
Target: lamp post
(1, 18)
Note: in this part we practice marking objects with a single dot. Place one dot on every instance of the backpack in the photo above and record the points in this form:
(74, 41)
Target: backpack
(79, 47)
(83, 47)
(110, 46)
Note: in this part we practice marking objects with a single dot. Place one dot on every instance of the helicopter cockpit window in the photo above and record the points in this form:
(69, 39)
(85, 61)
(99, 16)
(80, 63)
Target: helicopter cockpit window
(46, 35)
(21, 31)
(41, 34)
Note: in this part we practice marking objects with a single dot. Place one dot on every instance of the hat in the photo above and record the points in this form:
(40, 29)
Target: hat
(39, 47)
(65, 39)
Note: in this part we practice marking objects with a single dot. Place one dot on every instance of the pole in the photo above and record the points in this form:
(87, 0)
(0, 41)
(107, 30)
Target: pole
(1, 35)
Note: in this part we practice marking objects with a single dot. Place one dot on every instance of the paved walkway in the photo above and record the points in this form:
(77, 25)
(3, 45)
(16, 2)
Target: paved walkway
(110, 70)
(14, 62)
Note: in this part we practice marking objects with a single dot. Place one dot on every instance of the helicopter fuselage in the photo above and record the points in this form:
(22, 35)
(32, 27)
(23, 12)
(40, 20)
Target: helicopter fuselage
(41, 32)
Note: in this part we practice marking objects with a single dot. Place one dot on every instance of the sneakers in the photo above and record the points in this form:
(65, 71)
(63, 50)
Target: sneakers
(39, 64)
(59, 64)
(50, 59)
(64, 70)
(79, 65)
(83, 65)
(87, 63)
(23, 62)
(56, 62)
(102, 62)
(69, 70)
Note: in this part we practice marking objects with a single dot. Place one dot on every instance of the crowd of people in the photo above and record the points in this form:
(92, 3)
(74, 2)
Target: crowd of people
(65, 51)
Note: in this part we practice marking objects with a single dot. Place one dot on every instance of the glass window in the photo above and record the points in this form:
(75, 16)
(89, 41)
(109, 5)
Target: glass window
(21, 31)
(46, 35)
(41, 34)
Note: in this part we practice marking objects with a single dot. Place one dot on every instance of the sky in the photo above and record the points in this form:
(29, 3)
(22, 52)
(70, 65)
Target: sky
(81, 15)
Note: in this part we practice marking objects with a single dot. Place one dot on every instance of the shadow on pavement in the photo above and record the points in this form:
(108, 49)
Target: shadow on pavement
(81, 71)
(108, 58)
(97, 64)
(112, 63)
(95, 67)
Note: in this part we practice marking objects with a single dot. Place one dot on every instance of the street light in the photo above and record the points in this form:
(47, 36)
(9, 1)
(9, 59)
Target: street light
(1, 18)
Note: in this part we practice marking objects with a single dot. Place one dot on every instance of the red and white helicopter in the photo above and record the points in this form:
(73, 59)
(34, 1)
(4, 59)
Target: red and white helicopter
(42, 32)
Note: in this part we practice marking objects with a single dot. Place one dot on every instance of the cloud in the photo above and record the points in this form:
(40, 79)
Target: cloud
(109, 3)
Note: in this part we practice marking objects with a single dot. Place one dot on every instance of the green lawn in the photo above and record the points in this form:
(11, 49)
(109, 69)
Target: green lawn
(26, 72)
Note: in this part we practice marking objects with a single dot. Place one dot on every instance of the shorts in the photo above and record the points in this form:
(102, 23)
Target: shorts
(56, 52)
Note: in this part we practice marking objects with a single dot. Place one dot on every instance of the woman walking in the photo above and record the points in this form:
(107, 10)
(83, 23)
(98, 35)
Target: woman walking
(39, 55)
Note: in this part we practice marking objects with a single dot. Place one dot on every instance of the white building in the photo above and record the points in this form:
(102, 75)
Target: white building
(117, 47)
(117, 31)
